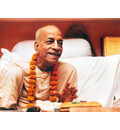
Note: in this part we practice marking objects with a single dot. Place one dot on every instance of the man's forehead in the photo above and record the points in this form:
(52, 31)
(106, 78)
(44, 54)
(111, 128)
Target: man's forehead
(48, 31)
(51, 30)
(51, 36)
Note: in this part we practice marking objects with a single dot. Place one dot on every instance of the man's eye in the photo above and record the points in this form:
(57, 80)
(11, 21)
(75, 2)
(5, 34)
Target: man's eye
(60, 43)
(49, 41)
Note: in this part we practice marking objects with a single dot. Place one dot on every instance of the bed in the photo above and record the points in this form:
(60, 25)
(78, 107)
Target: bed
(98, 77)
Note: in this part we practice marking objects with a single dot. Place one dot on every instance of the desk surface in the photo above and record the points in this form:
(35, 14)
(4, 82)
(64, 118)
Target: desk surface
(80, 109)
(93, 109)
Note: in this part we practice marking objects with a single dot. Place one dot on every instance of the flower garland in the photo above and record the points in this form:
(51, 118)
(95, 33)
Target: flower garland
(32, 82)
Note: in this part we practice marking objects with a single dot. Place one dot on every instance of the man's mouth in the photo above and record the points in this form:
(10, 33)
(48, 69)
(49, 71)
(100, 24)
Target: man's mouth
(56, 54)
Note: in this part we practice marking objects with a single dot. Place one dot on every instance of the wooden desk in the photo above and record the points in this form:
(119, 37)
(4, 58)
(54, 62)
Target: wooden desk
(93, 109)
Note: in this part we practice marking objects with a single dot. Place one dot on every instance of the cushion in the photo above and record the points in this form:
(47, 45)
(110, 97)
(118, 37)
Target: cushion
(71, 48)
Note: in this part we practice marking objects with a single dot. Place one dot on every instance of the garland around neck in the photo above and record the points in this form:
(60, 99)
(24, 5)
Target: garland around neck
(32, 82)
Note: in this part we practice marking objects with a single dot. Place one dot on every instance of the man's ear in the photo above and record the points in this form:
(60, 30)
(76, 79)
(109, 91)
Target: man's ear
(36, 46)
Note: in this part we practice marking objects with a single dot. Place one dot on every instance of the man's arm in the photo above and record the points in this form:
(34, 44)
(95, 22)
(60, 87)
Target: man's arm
(69, 80)
(11, 81)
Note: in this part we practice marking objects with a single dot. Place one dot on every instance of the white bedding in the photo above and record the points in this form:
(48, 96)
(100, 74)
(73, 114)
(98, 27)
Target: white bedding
(7, 57)
(98, 77)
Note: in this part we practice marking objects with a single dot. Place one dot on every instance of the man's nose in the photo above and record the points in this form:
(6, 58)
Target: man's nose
(55, 45)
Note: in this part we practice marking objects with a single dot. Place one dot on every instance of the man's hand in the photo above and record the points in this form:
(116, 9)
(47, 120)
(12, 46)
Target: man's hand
(68, 94)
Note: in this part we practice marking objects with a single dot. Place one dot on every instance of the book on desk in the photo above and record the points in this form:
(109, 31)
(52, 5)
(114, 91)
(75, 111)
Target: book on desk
(66, 105)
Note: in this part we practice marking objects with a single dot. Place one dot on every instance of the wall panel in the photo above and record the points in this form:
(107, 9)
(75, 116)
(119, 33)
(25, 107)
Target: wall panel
(14, 30)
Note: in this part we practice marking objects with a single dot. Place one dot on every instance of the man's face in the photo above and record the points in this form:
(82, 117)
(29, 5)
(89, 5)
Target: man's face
(50, 46)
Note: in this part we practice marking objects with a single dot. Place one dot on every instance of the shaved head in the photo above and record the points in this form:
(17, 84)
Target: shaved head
(48, 46)
(41, 31)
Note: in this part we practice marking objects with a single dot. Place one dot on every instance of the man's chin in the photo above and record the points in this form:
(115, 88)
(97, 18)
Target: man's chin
(52, 61)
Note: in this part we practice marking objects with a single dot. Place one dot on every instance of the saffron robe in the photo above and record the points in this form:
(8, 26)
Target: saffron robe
(14, 82)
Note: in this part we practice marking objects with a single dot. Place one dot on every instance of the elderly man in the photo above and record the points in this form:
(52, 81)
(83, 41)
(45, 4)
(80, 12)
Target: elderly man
(43, 78)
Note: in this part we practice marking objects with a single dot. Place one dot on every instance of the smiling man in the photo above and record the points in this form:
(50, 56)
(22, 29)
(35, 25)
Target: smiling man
(48, 45)
(42, 78)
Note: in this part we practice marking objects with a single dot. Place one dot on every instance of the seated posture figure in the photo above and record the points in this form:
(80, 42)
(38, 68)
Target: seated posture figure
(43, 77)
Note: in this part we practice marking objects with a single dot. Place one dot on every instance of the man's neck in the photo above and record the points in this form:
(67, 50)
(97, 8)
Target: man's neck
(44, 67)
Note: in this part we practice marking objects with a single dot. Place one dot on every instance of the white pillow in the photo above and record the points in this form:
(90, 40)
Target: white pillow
(71, 48)
(24, 49)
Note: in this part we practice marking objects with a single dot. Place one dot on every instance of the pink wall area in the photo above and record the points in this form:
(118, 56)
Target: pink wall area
(15, 30)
